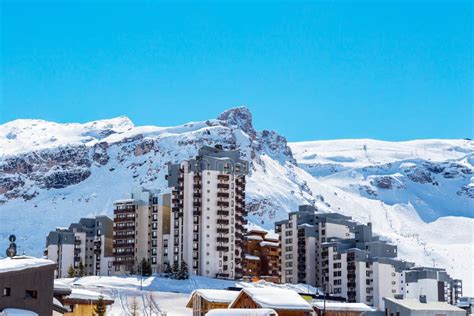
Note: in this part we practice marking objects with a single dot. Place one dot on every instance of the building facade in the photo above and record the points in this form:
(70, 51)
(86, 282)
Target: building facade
(433, 283)
(141, 231)
(208, 212)
(261, 256)
(27, 283)
(88, 242)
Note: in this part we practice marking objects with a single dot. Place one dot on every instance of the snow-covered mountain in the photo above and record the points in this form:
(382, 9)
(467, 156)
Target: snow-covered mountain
(52, 174)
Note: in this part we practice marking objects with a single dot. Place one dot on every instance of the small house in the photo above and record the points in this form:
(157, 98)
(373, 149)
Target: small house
(204, 300)
(83, 302)
(242, 312)
(284, 302)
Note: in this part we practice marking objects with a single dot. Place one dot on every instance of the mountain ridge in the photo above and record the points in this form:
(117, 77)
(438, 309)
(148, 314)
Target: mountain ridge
(90, 165)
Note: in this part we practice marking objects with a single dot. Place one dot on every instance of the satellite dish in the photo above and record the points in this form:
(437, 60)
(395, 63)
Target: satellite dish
(12, 238)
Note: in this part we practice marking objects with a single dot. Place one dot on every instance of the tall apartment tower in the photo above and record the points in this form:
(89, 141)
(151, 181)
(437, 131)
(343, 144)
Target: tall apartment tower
(141, 231)
(208, 209)
(89, 241)
(301, 238)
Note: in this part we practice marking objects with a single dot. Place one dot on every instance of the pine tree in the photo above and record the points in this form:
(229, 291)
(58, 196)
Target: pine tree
(82, 271)
(71, 272)
(175, 270)
(168, 270)
(183, 271)
(145, 268)
(100, 308)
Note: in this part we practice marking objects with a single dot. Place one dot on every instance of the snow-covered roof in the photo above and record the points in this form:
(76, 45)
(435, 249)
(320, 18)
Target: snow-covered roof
(19, 263)
(215, 296)
(341, 306)
(124, 201)
(269, 243)
(254, 237)
(415, 304)
(251, 257)
(86, 295)
(278, 299)
(17, 312)
(241, 312)
(61, 286)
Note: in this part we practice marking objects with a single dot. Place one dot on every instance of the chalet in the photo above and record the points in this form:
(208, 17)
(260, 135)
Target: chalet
(284, 302)
(242, 312)
(83, 302)
(204, 300)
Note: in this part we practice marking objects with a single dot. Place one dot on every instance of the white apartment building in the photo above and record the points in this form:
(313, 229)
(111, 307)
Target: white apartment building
(433, 283)
(208, 209)
(301, 238)
(141, 231)
(88, 242)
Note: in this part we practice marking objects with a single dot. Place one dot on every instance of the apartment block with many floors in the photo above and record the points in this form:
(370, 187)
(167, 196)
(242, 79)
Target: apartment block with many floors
(434, 283)
(88, 242)
(261, 256)
(301, 237)
(141, 231)
(208, 212)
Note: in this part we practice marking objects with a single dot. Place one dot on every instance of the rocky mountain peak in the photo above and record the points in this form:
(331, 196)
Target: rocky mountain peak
(240, 117)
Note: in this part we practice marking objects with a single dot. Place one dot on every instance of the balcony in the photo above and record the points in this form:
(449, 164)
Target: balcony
(222, 239)
(223, 221)
(197, 195)
(223, 177)
(222, 275)
(197, 186)
(125, 210)
(222, 204)
(196, 204)
(222, 248)
(223, 195)
(124, 219)
(223, 186)
(77, 242)
(223, 230)
(223, 212)
(121, 228)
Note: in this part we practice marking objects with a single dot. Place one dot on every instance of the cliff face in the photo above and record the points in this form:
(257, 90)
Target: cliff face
(52, 174)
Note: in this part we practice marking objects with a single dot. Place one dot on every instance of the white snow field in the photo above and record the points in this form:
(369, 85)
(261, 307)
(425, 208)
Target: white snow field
(158, 295)
(419, 194)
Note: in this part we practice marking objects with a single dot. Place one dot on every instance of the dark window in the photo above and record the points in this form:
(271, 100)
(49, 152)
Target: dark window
(6, 291)
(31, 294)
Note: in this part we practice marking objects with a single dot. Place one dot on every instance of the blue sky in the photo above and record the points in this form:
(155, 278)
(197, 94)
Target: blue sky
(391, 70)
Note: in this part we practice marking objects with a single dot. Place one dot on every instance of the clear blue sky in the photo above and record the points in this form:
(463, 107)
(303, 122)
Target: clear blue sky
(390, 70)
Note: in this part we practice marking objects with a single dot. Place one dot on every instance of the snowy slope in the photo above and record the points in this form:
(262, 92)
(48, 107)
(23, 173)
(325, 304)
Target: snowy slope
(44, 183)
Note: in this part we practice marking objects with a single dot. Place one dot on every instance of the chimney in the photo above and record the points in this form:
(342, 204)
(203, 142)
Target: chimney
(422, 298)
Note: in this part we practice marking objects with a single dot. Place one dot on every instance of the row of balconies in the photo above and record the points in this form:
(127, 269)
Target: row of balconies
(125, 210)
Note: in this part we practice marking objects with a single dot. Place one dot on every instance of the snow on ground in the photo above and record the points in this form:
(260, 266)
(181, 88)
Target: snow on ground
(158, 295)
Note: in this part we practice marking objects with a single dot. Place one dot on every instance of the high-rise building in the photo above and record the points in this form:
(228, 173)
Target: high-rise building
(208, 209)
(261, 256)
(301, 239)
(141, 231)
(88, 242)
(434, 283)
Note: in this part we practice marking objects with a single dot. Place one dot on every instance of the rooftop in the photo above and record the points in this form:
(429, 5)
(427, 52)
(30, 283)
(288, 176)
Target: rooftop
(415, 304)
(215, 296)
(19, 263)
(341, 306)
(241, 312)
(279, 299)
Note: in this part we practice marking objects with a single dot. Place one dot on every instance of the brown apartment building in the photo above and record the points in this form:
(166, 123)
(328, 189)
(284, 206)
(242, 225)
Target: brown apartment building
(261, 259)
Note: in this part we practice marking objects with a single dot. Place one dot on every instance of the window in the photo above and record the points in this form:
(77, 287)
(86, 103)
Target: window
(31, 294)
(6, 291)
